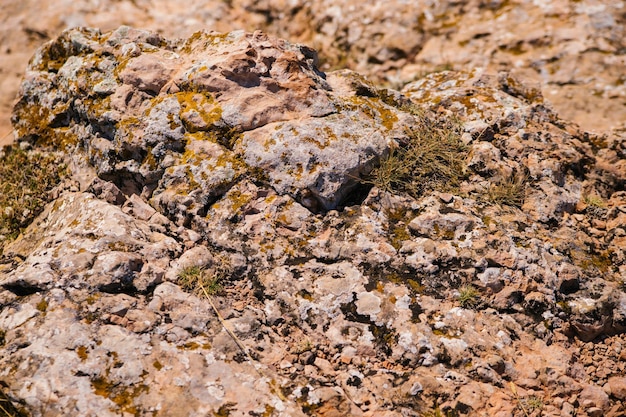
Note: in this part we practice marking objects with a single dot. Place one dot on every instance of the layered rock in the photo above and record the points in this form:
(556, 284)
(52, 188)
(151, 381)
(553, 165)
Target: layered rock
(234, 154)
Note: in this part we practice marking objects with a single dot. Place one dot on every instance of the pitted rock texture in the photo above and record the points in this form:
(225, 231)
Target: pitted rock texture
(162, 117)
(233, 153)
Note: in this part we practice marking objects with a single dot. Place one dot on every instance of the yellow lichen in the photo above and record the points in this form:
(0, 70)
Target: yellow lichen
(203, 39)
(203, 105)
(374, 108)
(237, 199)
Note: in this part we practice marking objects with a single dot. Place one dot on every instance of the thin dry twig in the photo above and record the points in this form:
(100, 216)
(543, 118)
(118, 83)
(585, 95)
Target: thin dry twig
(241, 346)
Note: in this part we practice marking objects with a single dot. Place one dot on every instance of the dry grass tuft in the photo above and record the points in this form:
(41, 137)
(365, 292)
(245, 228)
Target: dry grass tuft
(432, 159)
(7, 409)
(509, 192)
(468, 296)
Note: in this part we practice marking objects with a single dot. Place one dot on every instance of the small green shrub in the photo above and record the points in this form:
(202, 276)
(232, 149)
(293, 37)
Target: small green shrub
(194, 279)
(468, 296)
(595, 206)
(594, 201)
(198, 280)
(532, 403)
(433, 158)
(510, 191)
(26, 177)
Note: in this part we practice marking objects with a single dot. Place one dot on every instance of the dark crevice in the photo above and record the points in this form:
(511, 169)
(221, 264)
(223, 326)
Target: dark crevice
(21, 288)
(357, 196)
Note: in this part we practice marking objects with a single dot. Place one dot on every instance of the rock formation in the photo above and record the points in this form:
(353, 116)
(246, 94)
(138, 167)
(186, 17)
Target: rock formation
(222, 245)
(573, 49)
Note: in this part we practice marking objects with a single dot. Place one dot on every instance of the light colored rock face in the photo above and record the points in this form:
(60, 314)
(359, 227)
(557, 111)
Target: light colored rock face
(343, 304)
(187, 120)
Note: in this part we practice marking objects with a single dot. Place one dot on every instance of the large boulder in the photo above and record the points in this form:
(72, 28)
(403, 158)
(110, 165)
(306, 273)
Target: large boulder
(181, 122)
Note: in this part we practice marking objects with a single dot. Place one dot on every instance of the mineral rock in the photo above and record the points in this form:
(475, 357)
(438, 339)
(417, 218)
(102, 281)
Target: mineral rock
(224, 249)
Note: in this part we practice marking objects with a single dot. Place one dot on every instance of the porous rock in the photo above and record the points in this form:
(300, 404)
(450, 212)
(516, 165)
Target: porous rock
(316, 293)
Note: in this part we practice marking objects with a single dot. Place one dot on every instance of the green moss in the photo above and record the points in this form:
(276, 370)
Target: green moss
(397, 231)
(601, 262)
(398, 234)
(93, 298)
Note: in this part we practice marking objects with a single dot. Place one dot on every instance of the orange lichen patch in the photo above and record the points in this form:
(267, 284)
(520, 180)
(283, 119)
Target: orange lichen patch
(98, 106)
(81, 351)
(34, 120)
(120, 395)
(237, 199)
(54, 54)
(517, 88)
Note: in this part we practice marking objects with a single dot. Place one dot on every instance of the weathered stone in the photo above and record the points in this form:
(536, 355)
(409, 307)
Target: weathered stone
(594, 397)
(617, 387)
(232, 161)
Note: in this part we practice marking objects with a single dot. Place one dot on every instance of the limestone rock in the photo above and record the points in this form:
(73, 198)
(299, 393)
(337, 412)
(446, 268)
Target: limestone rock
(224, 252)
(174, 111)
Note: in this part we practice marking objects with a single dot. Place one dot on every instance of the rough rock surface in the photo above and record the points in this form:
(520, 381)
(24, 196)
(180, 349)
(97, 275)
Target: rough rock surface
(574, 50)
(235, 154)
